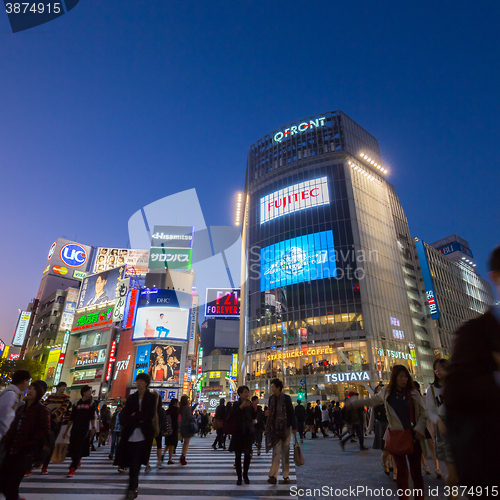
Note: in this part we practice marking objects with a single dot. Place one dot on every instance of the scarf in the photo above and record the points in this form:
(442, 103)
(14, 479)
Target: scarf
(276, 425)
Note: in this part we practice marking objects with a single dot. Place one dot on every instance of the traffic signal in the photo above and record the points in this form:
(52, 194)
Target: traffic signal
(300, 396)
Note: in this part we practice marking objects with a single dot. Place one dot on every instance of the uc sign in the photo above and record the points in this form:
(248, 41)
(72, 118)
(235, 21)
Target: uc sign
(73, 255)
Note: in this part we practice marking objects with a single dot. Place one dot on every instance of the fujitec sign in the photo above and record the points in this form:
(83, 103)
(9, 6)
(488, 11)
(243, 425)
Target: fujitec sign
(293, 198)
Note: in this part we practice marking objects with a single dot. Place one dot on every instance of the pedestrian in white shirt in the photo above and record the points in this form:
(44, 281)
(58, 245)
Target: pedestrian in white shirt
(10, 399)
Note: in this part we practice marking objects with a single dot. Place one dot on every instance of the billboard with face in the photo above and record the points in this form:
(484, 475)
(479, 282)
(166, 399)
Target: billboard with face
(164, 363)
(135, 261)
(100, 288)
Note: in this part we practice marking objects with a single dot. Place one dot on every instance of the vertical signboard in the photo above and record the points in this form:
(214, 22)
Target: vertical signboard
(121, 296)
(68, 314)
(130, 309)
(57, 376)
(200, 359)
(111, 359)
(234, 366)
(21, 329)
(192, 325)
(429, 285)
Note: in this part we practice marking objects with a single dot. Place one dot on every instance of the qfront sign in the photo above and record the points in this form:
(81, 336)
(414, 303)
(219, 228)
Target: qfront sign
(335, 378)
(299, 129)
(291, 199)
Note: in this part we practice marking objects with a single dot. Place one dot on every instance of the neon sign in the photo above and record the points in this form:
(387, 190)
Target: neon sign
(299, 129)
(347, 377)
(429, 285)
(293, 198)
(111, 360)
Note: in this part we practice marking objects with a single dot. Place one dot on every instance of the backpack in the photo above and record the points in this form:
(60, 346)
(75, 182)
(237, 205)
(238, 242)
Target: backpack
(168, 426)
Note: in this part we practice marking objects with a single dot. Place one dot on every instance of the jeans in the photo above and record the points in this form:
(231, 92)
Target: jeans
(415, 469)
(134, 452)
(12, 473)
(115, 439)
(281, 450)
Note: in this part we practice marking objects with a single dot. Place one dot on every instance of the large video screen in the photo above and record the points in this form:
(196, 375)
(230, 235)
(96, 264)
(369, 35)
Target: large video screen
(305, 258)
(161, 322)
(161, 362)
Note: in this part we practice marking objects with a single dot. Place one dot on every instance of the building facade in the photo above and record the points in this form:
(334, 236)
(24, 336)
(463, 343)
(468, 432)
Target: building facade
(324, 293)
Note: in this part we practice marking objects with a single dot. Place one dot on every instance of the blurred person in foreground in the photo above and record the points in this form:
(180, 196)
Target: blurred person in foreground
(405, 410)
(472, 397)
(24, 439)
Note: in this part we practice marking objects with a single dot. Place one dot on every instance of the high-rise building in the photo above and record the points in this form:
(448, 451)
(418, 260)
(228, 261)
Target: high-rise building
(325, 296)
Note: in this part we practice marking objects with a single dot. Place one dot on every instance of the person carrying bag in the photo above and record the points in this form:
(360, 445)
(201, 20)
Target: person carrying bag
(298, 457)
(407, 418)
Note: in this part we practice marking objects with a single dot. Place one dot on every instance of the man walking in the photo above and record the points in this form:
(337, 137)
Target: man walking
(354, 418)
(472, 396)
(10, 399)
(258, 423)
(300, 415)
(279, 426)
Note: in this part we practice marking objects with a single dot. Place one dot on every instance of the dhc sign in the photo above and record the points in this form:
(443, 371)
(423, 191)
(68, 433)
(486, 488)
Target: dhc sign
(299, 129)
(300, 196)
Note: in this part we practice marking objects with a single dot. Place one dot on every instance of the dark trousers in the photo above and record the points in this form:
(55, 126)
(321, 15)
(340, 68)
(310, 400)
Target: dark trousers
(300, 428)
(246, 463)
(75, 459)
(134, 452)
(357, 430)
(219, 439)
(258, 438)
(415, 470)
(12, 473)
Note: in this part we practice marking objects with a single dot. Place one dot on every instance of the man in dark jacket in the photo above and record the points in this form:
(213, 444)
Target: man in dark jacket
(219, 418)
(300, 415)
(279, 426)
(317, 417)
(258, 423)
(472, 396)
(138, 431)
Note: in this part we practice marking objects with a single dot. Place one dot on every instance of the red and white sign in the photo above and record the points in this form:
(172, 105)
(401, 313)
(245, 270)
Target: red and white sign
(300, 196)
(130, 310)
(111, 359)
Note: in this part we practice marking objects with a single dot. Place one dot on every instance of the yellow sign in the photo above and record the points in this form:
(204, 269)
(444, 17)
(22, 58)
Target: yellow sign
(298, 354)
(234, 367)
(46, 270)
(214, 375)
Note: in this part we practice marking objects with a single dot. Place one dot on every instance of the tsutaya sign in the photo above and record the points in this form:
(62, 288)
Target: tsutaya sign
(393, 354)
(300, 196)
(299, 129)
(347, 377)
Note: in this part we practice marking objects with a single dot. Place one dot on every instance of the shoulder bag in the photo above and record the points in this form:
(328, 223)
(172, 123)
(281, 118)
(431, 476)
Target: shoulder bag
(298, 457)
(399, 442)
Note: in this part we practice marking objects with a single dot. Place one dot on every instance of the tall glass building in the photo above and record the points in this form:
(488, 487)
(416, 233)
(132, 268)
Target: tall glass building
(324, 295)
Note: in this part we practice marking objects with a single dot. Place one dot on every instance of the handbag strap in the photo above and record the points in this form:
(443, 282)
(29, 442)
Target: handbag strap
(412, 409)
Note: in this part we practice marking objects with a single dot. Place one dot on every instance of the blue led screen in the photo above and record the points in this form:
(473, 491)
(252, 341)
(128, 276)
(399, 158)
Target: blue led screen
(429, 284)
(305, 258)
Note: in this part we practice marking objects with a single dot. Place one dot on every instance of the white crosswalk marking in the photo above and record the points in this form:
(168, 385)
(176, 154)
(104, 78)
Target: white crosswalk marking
(208, 473)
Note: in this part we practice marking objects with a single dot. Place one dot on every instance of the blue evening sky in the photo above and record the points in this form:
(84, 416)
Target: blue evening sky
(118, 104)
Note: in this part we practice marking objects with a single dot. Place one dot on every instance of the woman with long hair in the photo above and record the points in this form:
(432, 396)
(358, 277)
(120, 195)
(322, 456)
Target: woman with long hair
(437, 414)
(188, 425)
(405, 410)
(172, 414)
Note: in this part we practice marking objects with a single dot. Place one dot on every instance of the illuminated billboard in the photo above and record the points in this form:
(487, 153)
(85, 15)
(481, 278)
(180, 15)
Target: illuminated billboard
(68, 314)
(91, 357)
(22, 328)
(164, 363)
(291, 199)
(65, 256)
(223, 303)
(100, 288)
(305, 258)
(172, 236)
(162, 314)
(170, 258)
(92, 319)
(428, 283)
(135, 261)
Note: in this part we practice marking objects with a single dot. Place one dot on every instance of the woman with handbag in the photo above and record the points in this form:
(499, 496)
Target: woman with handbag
(172, 429)
(406, 421)
(188, 425)
(138, 431)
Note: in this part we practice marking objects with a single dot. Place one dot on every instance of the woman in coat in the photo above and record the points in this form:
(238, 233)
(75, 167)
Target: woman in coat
(138, 432)
(172, 415)
(243, 415)
(187, 426)
(24, 439)
(396, 399)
